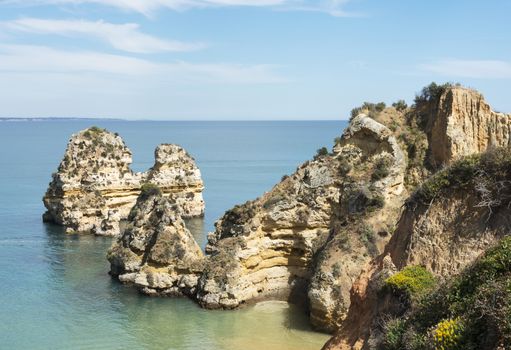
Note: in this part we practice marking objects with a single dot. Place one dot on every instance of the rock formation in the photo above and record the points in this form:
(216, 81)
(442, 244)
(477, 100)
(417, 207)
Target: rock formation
(314, 232)
(448, 221)
(331, 232)
(465, 124)
(324, 222)
(94, 188)
(156, 252)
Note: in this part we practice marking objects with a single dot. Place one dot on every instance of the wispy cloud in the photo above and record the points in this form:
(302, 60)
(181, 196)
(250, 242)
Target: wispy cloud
(126, 37)
(40, 59)
(149, 7)
(334, 8)
(480, 69)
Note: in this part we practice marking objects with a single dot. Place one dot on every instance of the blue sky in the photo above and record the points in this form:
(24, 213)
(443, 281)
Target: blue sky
(244, 59)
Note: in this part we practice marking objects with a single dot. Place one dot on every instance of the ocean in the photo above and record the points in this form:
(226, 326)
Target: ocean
(55, 291)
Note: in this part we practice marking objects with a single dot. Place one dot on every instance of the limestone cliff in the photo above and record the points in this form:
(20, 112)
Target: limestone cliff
(331, 232)
(315, 231)
(268, 244)
(463, 124)
(156, 252)
(94, 187)
(447, 223)
(371, 195)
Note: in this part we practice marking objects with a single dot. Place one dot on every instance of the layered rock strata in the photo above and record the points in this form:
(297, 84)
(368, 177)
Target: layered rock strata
(315, 231)
(94, 187)
(321, 235)
(156, 252)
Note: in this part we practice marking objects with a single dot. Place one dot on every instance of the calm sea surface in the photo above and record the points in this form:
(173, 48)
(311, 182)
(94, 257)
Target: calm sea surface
(55, 292)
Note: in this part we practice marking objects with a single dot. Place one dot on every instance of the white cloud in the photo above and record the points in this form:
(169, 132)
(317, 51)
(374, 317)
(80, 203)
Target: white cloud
(332, 7)
(126, 37)
(148, 7)
(480, 69)
(40, 59)
(42, 81)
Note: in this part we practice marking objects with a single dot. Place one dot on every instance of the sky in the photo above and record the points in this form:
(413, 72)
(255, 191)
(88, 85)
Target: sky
(244, 59)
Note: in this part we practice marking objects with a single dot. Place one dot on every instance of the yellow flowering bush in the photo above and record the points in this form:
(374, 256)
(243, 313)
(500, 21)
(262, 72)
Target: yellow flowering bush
(447, 333)
(413, 280)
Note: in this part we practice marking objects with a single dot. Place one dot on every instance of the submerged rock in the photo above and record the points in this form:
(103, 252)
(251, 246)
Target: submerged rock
(94, 187)
(156, 252)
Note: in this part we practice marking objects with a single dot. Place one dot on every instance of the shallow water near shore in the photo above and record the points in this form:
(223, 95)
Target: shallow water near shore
(55, 291)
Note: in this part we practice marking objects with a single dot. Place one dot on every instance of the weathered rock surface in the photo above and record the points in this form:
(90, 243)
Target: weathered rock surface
(449, 221)
(271, 245)
(465, 124)
(94, 188)
(264, 248)
(328, 234)
(370, 199)
(156, 252)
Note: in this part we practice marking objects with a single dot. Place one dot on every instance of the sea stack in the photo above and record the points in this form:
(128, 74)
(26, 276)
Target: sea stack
(156, 252)
(94, 187)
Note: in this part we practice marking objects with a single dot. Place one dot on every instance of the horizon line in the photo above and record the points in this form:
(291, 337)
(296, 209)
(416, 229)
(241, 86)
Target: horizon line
(6, 119)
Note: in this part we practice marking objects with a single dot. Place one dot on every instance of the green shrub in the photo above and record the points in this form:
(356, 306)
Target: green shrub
(381, 169)
(344, 167)
(459, 174)
(95, 129)
(336, 270)
(447, 334)
(400, 105)
(273, 200)
(323, 151)
(148, 189)
(413, 281)
(377, 201)
(394, 330)
(368, 238)
(469, 311)
(432, 92)
(371, 109)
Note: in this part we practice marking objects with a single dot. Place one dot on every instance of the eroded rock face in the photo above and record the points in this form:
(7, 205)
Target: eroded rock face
(94, 187)
(271, 245)
(371, 196)
(330, 233)
(453, 218)
(264, 248)
(465, 124)
(156, 252)
(445, 237)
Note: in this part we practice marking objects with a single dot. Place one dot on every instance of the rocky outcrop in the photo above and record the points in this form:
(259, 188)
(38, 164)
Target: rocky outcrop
(329, 234)
(265, 248)
(156, 252)
(448, 223)
(94, 187)
(271, 245)
(370, 201)
(465, 124)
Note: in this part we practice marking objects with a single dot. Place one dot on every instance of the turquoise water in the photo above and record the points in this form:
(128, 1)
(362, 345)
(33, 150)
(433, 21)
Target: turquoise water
(55, 292)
